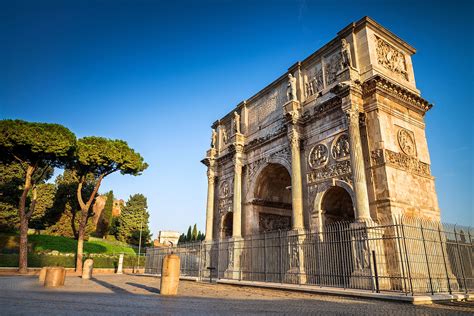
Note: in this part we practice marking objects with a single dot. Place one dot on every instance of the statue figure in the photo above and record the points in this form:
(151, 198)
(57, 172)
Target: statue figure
(213, 138)
(224, 136)
(291, 89)
(346, 54)
(236, 123)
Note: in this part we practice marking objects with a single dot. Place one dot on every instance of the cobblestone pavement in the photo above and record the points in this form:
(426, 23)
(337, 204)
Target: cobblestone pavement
(130, 294)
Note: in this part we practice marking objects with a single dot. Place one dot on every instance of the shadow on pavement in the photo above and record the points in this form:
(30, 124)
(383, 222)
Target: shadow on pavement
(144, 287)
(113, 288)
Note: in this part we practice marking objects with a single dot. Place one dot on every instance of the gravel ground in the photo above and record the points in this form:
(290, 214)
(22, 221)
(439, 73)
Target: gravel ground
(131, 294)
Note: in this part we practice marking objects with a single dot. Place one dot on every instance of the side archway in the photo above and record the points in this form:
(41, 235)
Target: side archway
(334, 202)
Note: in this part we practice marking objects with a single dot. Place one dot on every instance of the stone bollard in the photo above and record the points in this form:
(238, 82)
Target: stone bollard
(120, 264)
(87, 269)
(170, 275)
(55, 276)
(42, 274)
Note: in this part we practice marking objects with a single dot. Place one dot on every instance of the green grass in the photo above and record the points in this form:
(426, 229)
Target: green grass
(42, 243)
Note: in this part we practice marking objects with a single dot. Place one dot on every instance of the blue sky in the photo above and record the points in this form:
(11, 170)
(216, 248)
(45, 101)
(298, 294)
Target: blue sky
(158, 73)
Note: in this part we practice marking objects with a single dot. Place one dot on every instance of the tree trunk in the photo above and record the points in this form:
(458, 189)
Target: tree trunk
(80, 240)
(84, 216)
(23, 258)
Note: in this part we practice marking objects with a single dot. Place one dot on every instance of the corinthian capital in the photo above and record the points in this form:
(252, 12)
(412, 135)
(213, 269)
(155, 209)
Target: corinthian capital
(294, 116)
(351, 116)
(211, 177)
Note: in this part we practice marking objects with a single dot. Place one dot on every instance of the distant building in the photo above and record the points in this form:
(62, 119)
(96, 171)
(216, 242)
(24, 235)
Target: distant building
(168, 238)
(117, 208)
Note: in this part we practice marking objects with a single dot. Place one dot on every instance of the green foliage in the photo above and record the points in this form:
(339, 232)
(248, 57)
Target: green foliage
(61, 219)
(43, 260)
(133, 217)
(195, 233)
(192, 235)
(46, 193)
(43, 144)
(41, 243)
(189, 235)
(102, 156)
(11, 184)
(105, 219)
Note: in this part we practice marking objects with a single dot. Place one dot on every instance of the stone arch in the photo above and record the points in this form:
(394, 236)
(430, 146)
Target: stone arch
(226, 227)
(317, 214)
(270, 200)
(255, 175)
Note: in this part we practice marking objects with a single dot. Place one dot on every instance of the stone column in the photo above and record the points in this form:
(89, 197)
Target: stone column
(296, 182)
(357, 165)
(211, 178)
(237, 202)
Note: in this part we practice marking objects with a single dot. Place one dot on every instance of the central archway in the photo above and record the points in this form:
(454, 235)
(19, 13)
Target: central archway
(272, 198)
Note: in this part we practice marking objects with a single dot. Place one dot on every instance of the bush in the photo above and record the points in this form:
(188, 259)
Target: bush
(43, 260)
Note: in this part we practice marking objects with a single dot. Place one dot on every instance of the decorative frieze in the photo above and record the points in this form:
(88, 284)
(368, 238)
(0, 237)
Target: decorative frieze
(252, 167)
(391, 58)
(401, 161)
(271, 222)
(335, 170)
(225, 205)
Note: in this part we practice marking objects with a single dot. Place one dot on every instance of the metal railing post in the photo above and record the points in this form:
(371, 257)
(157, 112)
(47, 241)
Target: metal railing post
(281, 257)
(218, 259)
(406, 256)
(401, 258)
(444, 259)
(377, 287)
(426, 258)
(265, 256)
(460, 260)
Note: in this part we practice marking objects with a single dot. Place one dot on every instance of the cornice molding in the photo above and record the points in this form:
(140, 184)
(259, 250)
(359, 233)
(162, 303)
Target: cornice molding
(382, 85)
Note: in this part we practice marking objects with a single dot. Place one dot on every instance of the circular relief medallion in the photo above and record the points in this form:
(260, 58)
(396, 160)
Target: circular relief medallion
(224, 189)
(340, 148)
(318, 156)
(406, 142)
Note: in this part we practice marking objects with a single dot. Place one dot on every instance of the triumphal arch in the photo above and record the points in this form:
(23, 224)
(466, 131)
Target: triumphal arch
(340, 136)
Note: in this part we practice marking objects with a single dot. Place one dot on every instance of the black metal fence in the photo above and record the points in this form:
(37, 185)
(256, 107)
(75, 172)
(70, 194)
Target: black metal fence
(412, 256)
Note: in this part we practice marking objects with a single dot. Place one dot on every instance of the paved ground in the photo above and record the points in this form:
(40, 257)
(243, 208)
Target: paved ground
(128, 294)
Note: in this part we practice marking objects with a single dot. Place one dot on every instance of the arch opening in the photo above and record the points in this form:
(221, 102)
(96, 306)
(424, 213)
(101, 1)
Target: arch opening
(227, 225)
(337, 205)
(272, 198)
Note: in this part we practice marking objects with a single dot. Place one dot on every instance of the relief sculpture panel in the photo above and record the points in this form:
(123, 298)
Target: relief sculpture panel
(391, 58)
(406, 140)
(318, 156)
(271, 222)
(340, 148)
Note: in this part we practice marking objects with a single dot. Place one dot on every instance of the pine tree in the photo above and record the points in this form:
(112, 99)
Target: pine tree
(105, 220)
(195, 233)
(133, 216)
(189, 234)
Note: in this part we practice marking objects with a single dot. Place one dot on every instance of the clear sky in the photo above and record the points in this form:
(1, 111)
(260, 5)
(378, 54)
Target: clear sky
(158, 73)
